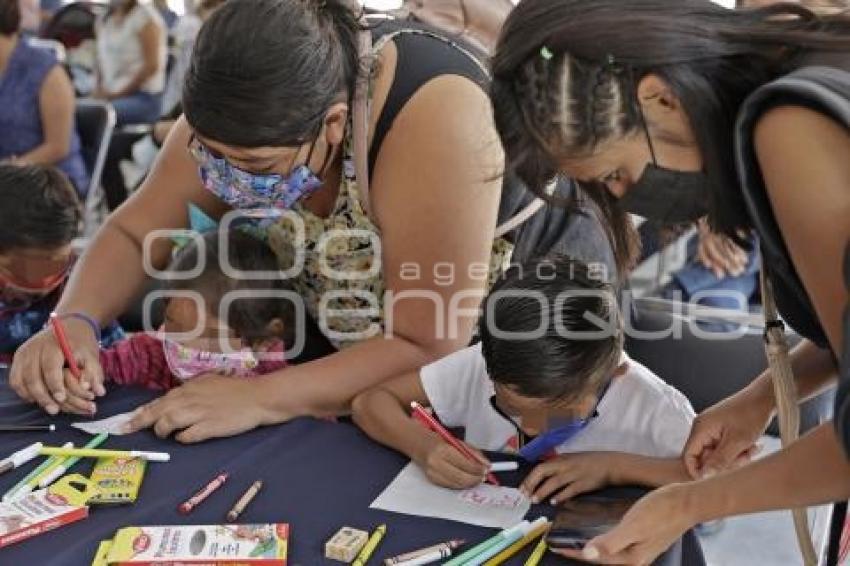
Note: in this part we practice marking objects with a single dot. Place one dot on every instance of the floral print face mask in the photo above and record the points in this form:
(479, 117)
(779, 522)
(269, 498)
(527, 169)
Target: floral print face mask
(243, 190)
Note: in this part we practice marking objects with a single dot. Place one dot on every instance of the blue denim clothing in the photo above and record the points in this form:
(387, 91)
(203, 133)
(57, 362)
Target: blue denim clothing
(137, 108)
(20, 111)
(695, 278)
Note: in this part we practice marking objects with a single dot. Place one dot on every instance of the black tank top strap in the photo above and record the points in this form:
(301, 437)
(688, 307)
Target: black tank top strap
(825, 90)
(423, 54)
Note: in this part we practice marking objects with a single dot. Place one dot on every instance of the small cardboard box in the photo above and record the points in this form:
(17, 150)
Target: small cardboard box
(44, 510)
(208, 545)
(117, 480)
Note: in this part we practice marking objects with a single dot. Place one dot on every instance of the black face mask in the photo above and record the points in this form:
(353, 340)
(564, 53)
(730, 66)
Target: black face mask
(665, 196)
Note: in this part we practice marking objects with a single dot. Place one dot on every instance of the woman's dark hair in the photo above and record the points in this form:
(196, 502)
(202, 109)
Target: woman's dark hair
(38, 208)
(10, 17)
(251, 317)
(265, 72)
(565, 76)
(574, 339)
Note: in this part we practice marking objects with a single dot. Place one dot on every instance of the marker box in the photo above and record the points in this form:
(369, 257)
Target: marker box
(118, 480)
(44, 510)
(346, 544)
(210, 545)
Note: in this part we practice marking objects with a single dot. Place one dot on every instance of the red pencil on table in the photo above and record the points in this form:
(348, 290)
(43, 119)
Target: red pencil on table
(423, 417)
(59, 332)
(187, 507)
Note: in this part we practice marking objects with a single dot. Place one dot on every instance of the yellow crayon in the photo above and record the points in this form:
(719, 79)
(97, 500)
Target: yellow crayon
(538, 553)
(370, 547)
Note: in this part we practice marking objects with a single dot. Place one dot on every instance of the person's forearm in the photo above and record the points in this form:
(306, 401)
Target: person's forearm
(328, 385)
(812, 471)
(108, 276)
(384, 420)
(138, 360)
(633, 469)
(814, 370)
(45, 154)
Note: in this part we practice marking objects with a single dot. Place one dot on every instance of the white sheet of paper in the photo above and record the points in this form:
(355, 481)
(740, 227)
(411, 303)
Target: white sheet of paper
(412, 493)
(112, 425)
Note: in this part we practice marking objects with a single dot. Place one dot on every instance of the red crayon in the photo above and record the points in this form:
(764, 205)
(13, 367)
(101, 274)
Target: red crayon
(423, 417)
(187, 507)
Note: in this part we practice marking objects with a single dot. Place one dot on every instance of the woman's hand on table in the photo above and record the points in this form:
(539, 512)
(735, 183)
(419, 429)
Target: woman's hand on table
(37, 373)
(207, 406)
(650, 527)
(724, 436)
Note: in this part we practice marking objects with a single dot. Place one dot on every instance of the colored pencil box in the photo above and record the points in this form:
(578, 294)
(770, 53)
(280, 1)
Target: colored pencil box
(45, 509)
(208, 545)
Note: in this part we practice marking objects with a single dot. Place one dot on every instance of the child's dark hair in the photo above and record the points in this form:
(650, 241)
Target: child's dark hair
(38, 208)
(250, 318)
(552, 299)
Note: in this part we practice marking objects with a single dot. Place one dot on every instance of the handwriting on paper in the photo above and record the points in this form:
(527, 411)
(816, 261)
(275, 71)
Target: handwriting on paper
(411, 492)
(488, 495)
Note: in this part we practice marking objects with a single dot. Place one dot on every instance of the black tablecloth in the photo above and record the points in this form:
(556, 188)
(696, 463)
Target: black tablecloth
(319, 476)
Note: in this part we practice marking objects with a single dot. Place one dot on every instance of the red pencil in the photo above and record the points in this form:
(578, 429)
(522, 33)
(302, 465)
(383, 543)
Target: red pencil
(59, 332)
(423, 417)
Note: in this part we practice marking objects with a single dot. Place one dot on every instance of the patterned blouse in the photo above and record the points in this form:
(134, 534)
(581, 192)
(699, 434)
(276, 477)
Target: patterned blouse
(342, 271)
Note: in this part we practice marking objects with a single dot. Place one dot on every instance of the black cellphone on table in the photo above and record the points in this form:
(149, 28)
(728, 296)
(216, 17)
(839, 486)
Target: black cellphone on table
(581, 520)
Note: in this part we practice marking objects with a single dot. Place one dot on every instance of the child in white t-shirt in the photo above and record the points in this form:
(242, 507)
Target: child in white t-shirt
(550, 381)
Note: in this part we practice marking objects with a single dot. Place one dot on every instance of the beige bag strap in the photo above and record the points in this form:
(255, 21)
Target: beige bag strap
(360, 133)
(788, 409)
(360, 119)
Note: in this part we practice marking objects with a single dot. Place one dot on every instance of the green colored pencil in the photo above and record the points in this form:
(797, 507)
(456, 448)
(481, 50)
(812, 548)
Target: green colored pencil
(60, 470)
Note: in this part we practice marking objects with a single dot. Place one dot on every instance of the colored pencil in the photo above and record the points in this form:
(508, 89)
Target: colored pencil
(422, 416)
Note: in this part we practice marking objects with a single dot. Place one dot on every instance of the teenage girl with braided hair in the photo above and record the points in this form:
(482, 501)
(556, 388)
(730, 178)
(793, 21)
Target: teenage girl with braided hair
(674, 109)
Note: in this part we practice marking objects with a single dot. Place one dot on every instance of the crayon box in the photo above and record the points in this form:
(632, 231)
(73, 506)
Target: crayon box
(207, 545)
(117, 480)
(44, 510)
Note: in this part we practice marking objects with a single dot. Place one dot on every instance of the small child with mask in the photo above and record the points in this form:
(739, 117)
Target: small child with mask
(40, 215)
(550, 382)
(251, 341)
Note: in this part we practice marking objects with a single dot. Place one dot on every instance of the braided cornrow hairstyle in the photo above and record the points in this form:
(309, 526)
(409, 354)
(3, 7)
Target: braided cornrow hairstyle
(558, 105)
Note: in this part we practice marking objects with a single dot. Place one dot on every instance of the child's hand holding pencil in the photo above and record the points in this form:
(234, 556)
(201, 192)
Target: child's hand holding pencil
(38, 372)
(447, 466)
(79, 399)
